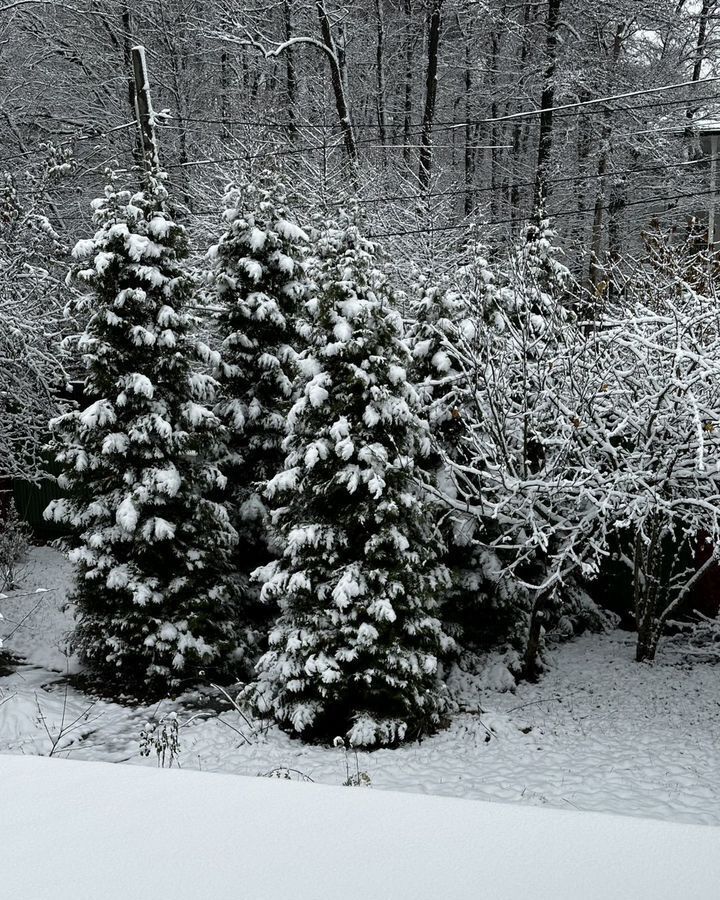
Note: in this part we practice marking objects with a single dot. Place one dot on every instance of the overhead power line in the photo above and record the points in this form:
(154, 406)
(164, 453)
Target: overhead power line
(551, 215)
(24, 154)
(568, 108)
(446, 124)
(460, 192)
(583, 104)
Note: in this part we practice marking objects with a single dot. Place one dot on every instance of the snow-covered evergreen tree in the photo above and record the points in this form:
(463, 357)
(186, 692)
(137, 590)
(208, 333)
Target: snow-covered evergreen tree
(259, 280)
(355, 651)
(537, 288)
(435, 311)
(451, 315)
(149, 541)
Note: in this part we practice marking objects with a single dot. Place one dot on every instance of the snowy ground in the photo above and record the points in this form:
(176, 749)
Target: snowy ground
(75, 831)
(597, 733)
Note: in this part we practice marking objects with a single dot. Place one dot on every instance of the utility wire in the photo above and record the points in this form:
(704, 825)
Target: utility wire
(437, 126)
(560, 214)
(551, 216)
(445, 124)
(594, 102)
(22, 154)
(460, 192)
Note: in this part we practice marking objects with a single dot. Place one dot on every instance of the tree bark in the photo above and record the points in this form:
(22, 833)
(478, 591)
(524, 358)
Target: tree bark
(517, 131)
(339, 84)
(434, 27)
(380, 66)
(531, 666)
(407, 106)
(547, 101)
(469, 161)
(225, 129)
(597, 269)
(290, 75)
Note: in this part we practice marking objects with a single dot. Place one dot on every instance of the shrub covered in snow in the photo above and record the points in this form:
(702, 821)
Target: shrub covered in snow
(149, 543)
(357, 645)
(482, 607)
(590, 439)
(31, 324)
(510, 484)
(14, 544)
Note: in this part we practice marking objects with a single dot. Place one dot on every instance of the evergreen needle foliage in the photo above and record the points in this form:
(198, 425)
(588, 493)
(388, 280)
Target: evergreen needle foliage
(356, 647)
(149, 542)
(258, 277)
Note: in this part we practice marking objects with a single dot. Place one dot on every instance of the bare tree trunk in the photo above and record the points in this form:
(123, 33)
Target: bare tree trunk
(517, 131)
(708, 7)
(597, 269)
(469, 167)
(339, 85)
(290, 75)
(127, 45)
(409, 73)
(225, 129)
(531, 666)
(646, 566)
(434, 26)
(616, 209)
(547, 101)
(380, 65)
(494, 141)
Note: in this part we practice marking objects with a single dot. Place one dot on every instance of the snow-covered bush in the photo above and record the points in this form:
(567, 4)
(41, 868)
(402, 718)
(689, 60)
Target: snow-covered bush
(258, 280)
(357, 645)
(506, 485)
(14, 545)
(591, 438)
(656, 417)
(31, 303)
(150, 544)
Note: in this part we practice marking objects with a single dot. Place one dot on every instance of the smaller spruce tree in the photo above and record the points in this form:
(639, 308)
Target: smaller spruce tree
(537, 285)
(451, 316)
(356, 648)
(259, 280)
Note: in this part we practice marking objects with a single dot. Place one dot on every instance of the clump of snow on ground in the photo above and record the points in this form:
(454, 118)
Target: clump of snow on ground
(598, 732)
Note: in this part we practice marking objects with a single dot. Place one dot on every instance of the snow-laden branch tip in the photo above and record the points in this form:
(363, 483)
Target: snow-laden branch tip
(264, 45)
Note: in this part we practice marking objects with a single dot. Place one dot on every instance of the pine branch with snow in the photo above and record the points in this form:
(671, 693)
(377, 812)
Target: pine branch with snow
(357, 645)
(259, 281)
(150, 542)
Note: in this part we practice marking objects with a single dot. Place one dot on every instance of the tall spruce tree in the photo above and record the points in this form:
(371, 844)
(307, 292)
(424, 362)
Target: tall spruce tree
(355, 651)
(149, 541)
(259, 281)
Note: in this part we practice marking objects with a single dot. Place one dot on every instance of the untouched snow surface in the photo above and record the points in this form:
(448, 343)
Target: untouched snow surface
(76, 831)
(599, 732)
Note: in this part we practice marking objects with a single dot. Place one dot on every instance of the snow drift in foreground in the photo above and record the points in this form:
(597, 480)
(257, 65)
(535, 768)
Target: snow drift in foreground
(75, 830)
